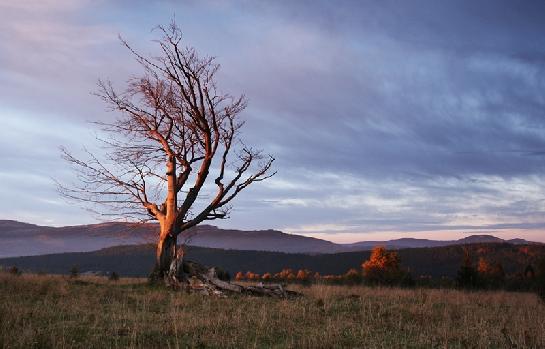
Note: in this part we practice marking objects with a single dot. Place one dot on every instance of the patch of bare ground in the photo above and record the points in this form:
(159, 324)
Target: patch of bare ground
(44, 311)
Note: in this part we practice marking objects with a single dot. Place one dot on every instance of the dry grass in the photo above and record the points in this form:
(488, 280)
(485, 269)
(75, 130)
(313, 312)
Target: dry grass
(54, 311)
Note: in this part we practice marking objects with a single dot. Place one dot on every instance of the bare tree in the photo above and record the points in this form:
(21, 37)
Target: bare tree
(173, 154)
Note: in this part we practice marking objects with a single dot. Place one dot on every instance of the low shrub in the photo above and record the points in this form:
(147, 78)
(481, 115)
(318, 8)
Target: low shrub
(113, 276)
(74, 272)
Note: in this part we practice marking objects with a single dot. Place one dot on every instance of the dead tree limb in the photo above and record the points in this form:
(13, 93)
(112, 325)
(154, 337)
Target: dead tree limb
(174, 154)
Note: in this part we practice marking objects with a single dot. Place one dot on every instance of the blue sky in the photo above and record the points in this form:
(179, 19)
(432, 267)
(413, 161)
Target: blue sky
(387, 119)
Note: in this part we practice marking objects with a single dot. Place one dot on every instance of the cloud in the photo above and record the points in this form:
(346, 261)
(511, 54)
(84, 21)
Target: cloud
(384, 117)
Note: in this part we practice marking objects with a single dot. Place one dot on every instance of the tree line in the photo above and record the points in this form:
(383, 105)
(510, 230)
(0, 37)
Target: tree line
(384, 268)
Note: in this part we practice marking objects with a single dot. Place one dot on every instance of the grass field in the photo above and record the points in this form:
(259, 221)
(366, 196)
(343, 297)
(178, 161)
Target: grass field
(44, 311)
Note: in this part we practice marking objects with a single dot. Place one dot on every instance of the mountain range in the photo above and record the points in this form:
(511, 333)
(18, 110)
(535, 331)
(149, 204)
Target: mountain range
(24, 239)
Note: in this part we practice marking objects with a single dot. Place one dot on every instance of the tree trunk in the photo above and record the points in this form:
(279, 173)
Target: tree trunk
(166, 251)
(168, 262)
(167, 258)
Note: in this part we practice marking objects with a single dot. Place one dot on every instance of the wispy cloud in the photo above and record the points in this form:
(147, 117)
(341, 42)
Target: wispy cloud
(385, 118)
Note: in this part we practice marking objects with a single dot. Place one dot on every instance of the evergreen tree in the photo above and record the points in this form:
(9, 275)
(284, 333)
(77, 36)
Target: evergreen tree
(467, 276)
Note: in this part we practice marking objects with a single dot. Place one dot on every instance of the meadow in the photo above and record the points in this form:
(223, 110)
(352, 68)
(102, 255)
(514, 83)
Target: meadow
(53, 311)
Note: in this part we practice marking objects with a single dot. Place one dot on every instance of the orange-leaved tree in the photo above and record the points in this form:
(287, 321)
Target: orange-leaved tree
(382, 267)
(491, 274)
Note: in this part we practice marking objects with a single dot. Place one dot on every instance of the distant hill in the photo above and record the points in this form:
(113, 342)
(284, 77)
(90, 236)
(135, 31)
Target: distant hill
(23, 239)
(416, 243)
(263, 240)
(138, 260)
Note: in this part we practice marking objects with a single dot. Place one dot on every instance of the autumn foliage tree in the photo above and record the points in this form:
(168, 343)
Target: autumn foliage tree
(285, 274)
(383, 267)
(491, 274)
(302, 275)
(353, 277)
(239, 276)
(252, 276)
(174, 153)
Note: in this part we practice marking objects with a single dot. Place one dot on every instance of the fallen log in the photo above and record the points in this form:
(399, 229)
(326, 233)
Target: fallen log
(197, 278)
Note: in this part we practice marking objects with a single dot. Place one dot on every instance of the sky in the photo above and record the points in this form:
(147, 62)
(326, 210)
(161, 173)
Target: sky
(387, 119)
